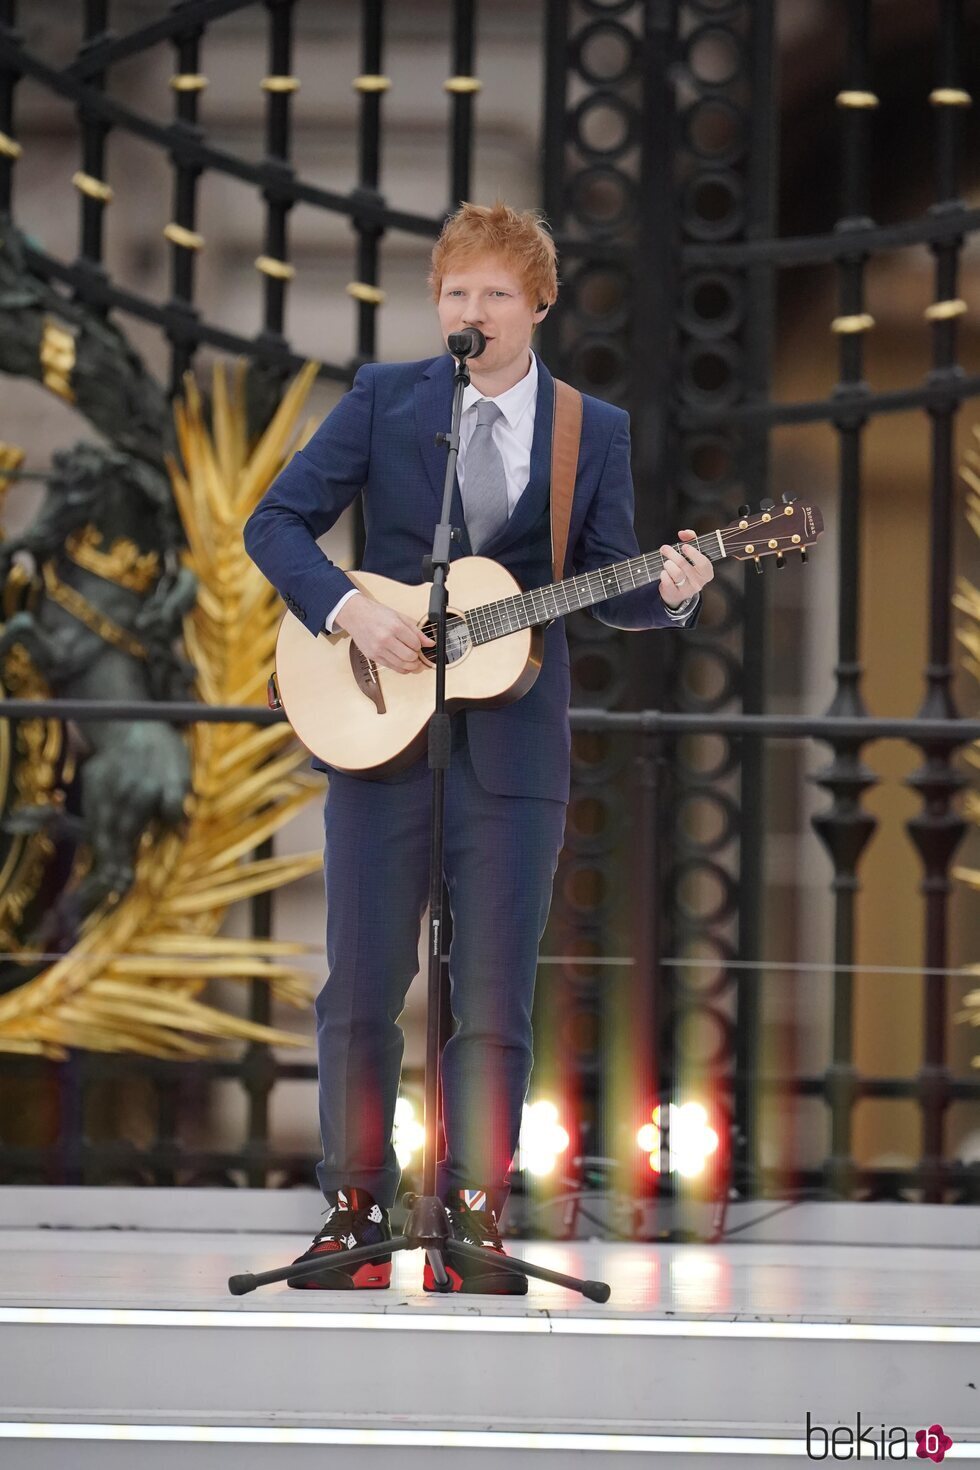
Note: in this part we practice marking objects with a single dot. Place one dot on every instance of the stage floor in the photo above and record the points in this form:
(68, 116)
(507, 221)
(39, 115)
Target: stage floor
(118, 1344)
(182, 1271)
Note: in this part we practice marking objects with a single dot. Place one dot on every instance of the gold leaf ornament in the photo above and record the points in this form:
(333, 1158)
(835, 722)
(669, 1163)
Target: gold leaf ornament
(134, 979)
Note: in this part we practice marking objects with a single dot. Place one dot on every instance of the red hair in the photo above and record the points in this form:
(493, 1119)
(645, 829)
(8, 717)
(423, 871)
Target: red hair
(519, 238)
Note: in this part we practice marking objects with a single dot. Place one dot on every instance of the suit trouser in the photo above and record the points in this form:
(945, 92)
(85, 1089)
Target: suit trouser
(499, 863)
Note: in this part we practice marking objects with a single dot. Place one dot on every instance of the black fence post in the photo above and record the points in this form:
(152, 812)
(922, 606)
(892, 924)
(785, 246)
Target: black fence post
(181, 231)
(846, 828)
(938, 828)
(10, 149)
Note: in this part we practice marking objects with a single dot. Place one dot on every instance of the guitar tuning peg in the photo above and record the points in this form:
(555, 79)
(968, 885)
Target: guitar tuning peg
(744, 511)
(766, 504)
(787, 498)
(780, 559)
(758, 564)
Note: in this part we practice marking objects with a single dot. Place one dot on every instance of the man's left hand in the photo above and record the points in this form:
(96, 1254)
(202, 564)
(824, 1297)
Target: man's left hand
(685, 572)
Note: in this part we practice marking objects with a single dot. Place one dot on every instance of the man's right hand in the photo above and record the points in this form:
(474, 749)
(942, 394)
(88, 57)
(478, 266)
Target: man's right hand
(383, 635)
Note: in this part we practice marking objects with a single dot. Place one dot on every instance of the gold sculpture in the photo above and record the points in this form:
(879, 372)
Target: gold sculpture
(134, 979)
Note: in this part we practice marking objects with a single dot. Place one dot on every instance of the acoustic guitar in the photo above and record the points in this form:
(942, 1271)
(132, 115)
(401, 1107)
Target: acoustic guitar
(370, 721)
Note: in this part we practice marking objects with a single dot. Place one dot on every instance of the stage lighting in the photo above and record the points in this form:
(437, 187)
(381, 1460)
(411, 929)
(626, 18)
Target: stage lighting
(408, 1135)
(543, 1138)
(691, 1140)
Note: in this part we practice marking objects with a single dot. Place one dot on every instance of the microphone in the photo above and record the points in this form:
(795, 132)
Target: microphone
(468, 343)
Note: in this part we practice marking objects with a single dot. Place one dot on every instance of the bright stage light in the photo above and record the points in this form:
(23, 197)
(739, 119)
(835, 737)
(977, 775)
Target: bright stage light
(543, 1138)
(691, 1141)
(408, 1135)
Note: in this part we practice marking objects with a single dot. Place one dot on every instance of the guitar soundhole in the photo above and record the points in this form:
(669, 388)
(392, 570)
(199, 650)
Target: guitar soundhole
(457, 639)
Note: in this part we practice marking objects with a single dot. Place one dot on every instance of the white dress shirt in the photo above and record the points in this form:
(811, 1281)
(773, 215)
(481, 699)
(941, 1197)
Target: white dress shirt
(513, 434)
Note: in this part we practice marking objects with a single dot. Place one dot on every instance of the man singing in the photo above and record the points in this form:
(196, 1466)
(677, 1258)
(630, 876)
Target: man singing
(494, 269)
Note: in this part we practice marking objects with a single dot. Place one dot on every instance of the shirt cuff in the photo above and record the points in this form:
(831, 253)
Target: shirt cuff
(681, 613)
(328, 621)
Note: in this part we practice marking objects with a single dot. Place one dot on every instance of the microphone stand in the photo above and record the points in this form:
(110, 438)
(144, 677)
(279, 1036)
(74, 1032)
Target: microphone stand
(427, 1226)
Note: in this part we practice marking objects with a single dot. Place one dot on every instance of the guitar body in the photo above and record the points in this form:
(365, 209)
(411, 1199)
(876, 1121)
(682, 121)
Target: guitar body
(371, 721)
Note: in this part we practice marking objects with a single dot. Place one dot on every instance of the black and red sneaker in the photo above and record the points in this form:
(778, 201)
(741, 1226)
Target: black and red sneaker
(352, 1219)
(472, 1221)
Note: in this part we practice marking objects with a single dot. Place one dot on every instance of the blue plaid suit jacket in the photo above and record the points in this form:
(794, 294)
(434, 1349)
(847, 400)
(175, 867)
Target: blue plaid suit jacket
(380, 440)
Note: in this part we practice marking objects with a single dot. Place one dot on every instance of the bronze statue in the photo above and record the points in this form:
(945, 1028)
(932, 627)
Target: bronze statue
(78, 355)
(110, 597)
(99, 594)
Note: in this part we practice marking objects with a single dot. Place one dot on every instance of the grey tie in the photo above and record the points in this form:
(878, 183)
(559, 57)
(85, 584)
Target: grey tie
(484, 481)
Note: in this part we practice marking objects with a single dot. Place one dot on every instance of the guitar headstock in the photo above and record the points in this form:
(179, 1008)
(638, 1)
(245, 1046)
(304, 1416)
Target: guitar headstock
(772, 530)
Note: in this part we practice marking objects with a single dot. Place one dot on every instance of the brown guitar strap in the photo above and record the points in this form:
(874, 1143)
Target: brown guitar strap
(566, 432)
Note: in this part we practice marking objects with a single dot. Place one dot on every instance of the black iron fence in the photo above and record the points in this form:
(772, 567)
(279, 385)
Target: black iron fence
(839, 1086)
(660, 167)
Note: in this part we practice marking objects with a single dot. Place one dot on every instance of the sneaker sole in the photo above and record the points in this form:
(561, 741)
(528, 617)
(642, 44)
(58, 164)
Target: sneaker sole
(372, 1276)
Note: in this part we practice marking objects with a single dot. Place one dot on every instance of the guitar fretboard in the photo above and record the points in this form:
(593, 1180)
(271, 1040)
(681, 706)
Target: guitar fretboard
(542, 604)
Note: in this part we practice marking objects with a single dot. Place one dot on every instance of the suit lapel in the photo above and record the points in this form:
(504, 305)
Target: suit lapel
(535, 496)
(433, 404)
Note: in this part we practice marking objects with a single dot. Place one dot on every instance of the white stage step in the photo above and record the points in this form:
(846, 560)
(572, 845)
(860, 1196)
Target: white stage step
(386, 1450)
(126, 1346)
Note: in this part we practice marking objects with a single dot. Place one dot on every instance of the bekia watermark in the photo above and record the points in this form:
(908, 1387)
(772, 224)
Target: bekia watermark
(874, 1442)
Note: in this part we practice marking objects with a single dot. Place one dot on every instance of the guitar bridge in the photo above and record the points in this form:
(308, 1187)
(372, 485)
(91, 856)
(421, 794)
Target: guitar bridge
(367, 679)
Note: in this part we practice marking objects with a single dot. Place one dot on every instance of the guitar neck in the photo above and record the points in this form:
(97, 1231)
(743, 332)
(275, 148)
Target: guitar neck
(558, 599)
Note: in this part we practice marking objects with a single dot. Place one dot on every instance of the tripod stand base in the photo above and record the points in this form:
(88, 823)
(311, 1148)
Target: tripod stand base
(427, 1229)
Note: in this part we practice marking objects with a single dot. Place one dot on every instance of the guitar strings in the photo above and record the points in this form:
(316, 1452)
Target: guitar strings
(485, 623)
